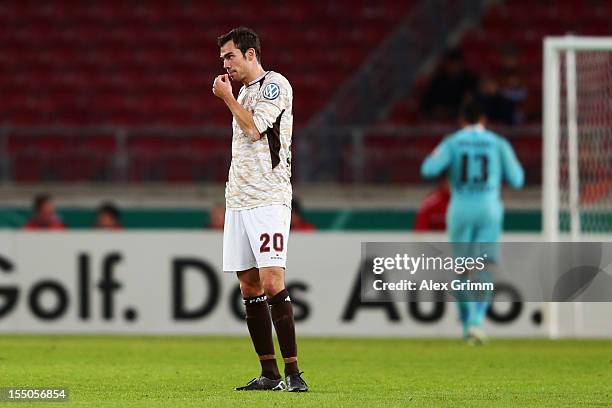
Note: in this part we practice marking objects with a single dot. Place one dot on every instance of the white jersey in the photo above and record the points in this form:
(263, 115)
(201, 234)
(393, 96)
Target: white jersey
(260, 171)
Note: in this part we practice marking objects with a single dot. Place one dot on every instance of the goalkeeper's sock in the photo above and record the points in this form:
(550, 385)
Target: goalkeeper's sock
(485, 298)
(473, 314)
(463, 316)
(260, 328)
(481, 311)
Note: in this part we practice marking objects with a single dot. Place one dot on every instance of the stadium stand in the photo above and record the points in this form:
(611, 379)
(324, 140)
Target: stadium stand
(486, 50)
(70, 63)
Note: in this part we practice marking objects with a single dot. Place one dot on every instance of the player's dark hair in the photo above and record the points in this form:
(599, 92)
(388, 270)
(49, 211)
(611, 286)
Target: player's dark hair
(40, 200)
(471, 112)
(243, 38)
(111, 209)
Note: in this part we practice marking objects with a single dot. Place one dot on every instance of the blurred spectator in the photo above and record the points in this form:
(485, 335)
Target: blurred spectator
(298, 222)
(44, 216)
(509, 57)
(217, 217)
(432, 214)
(108, 216)
(513, 89)
(448, 87)
(497, 107)
(511, 83)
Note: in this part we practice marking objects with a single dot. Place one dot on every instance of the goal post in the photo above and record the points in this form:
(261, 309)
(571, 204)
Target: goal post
(577, 144)
(577, 148)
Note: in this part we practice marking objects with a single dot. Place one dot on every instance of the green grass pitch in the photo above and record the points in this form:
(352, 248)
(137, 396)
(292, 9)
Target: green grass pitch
(123, 371)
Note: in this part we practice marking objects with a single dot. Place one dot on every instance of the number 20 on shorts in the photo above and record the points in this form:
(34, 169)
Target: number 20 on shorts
(278, 242)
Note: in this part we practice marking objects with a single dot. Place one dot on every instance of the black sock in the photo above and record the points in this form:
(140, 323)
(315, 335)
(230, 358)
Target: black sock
(260, 329)
(282, 317)
(291, 368)
(269, 369)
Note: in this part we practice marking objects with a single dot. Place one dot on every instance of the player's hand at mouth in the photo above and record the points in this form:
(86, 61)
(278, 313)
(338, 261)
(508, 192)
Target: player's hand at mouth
(222, 87)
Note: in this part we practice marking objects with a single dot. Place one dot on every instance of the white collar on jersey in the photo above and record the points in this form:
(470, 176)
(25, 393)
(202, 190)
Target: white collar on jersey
(258, 78)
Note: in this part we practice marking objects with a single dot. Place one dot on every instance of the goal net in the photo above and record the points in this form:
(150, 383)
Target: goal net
(577, 192)
(577, 148)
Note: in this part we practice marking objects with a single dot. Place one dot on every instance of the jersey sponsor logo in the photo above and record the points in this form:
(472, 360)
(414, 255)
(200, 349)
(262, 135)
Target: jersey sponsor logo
(271, 91)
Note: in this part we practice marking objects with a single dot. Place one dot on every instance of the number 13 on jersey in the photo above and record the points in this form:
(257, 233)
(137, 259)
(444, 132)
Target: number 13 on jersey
(474, 168)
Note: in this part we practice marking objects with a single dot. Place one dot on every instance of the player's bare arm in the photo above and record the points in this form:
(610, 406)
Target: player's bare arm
(222, 88)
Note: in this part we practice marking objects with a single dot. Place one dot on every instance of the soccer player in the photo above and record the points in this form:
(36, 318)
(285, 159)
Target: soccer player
(477, 161)
(431, 216)
(258, 203)
(298, 222)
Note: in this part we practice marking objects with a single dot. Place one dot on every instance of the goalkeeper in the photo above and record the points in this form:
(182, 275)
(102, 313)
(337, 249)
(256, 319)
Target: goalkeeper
(477, 161)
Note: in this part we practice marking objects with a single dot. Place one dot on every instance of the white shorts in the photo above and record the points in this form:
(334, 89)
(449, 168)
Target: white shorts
(256, 238)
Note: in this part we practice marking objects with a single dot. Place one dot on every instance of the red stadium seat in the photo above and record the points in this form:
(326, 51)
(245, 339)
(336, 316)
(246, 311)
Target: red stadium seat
(94, 47)
(149, 64)
(482, 46)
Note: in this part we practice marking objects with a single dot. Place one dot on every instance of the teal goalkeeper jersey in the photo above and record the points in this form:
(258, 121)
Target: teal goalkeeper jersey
(477, 161)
